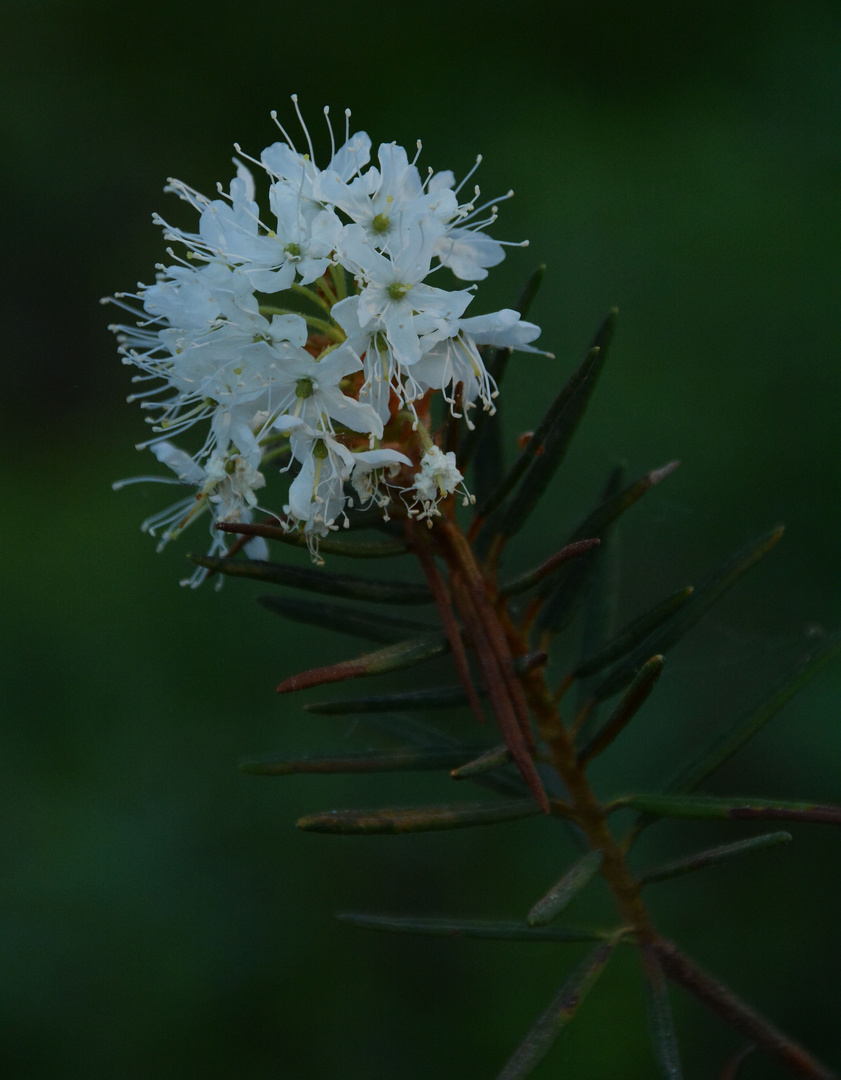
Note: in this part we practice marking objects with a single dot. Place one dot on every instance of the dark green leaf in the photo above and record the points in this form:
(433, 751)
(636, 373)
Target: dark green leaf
(352, 549)
(404, 654)
(369, 625)
(660, 1024)
(629, 705)
(730, 809)
(472, 440)
(534, 577)
(364, 761)
(544, 431)
(536, 1045)
(444, 697)
(496, 363)
(713, 856)
(488, 457)
(600, 611)
(471, 928)
(416, 733)
(488, 761)
(319, 581)
(440, 697)
(615, 505)
(599, 596)
(694, 608)
(532, 287)
(569, 593)
(416, 818)
(633, 634)
(533, 471)
(732, 740)
(555, 613)
(564, 890)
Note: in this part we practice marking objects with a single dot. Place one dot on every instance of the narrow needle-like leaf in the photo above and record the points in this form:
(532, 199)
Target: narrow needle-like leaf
(630, 704)
(531, 473)
(439, 697)
(416, 818)
(555, 613)
(412, 732)
(598, 591)
(496, 362)
(613, 507)
(353, 549)
(660, 1023)
(534, 577)
(472, 928)
(598, 624)
(319, 581)
(730, 809)
(530, 291)
(488, 761)
(404, 654)
(633, 634)
(444, 697)
(551, 1023)
(548, 907)
(680, 969)
(365, 761)
(712, 758)
(488, 457)
(695, 607)
(540, 435)
(369, 625)
(713, 856)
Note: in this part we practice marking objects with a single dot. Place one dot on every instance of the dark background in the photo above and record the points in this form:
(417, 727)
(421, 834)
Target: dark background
(161, 915)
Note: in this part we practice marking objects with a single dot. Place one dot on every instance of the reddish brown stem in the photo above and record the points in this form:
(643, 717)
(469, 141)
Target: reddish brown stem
(509, 724)
(478, 589)
(680, 969)
(448, 620)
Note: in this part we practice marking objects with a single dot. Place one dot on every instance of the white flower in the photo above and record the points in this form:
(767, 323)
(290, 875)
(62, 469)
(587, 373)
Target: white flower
(373, 467)
(384, 374)
(316, 495)
(395, 309)
(282, 161)
(225, 489)
(387, 202)
(453, 358)
(468, 252)
(270, 259)
(439, 477)
(219, 345)
(309, 389)
(230, 482)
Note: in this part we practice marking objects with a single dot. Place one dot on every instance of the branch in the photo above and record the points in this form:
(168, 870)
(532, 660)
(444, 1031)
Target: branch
(737, 1014)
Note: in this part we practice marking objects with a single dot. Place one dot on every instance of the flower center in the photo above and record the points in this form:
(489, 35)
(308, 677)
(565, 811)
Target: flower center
(381, 224)
(397, 290)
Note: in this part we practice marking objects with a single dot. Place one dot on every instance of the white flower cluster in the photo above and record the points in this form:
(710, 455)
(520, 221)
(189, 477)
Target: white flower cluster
(326, 393)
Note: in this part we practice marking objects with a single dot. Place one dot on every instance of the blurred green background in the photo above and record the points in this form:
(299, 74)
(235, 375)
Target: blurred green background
(161, 916)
